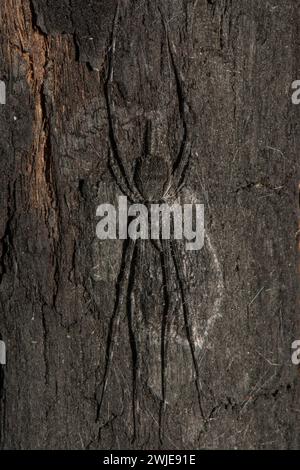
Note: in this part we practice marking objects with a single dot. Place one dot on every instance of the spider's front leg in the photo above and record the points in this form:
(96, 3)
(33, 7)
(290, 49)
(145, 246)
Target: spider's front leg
(121, 296)
(116, 165)
(182, 160)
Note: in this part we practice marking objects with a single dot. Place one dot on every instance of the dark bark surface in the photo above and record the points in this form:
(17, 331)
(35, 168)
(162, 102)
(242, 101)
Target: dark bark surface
(235, 60)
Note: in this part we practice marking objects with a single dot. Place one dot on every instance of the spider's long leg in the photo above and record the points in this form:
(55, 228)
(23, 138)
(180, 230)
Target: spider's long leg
(166, 323)
(115, 161)
(131, 314)
(182, 159)
(186, 314)
(118, 177)
(121, 293)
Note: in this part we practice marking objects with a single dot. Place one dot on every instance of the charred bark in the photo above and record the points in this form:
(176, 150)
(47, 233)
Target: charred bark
(214, 326)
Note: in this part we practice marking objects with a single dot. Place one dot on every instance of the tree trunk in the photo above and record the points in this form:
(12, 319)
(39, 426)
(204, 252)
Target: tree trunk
(202, 354)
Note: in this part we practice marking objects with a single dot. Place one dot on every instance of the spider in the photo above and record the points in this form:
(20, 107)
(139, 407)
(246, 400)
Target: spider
(143, 187)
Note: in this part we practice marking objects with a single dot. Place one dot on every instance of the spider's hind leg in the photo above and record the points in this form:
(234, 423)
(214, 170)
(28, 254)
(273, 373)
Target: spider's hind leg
(187, 322)
(169, 308)
(133, 327)
(121, 294)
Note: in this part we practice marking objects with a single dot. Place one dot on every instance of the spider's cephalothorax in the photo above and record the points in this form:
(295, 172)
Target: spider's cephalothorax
(152, 173)
(153, 180)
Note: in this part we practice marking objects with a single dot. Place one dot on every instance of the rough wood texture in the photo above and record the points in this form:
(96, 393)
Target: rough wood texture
(236, 60)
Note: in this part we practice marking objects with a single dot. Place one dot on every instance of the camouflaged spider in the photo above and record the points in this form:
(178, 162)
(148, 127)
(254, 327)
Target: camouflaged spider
(146, 183)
